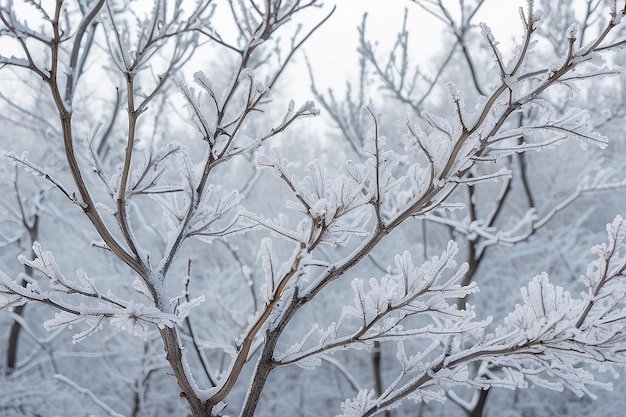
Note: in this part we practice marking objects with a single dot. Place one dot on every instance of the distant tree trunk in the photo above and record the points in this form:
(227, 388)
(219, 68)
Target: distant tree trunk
(14, 335)
(378, 379)
(16, 328)
(482, 400)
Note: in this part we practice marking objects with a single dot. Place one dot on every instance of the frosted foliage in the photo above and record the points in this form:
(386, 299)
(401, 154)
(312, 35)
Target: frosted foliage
(547, 341)
(218, 205)
(379, 310)
(82, 302)
(413, 291)
(545, 310)
(360, 263)
(334, 209)
(194, 105)
(137, 318)
(552, 329)
(356, 406)
(11, 293)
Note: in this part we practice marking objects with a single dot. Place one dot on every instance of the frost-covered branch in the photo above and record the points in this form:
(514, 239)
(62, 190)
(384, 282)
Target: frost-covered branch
(92, 305)
(545, 341)
(484, 234)
(153, 201)
(22, 161)
(380, 311)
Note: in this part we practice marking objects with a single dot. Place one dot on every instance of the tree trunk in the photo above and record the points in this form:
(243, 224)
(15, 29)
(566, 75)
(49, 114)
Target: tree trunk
(482, 400)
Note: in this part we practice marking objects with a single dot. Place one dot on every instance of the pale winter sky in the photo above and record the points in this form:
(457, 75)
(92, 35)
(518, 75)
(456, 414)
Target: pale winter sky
(332, 50)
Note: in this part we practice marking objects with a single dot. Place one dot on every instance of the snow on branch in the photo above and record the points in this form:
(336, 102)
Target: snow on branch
(378, 312)
(197, 117)
(549, 340)
(80, 301)
(145, 177)
(225, 137)
(307, 109)
(546, 339)
(216, 204)
(95, 160)
(333, 209)
(575, 124)
(25, 163)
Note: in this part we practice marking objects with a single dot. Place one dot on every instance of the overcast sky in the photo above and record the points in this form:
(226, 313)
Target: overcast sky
(332, 50)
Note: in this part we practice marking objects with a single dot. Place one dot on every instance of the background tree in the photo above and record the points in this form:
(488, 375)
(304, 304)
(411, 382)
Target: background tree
(186, 244)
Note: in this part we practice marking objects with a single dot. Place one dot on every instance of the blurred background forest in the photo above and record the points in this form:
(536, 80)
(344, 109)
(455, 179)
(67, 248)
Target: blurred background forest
(545, 217)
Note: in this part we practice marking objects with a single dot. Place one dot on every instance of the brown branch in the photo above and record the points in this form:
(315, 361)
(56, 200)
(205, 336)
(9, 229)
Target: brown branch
(65, 115)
